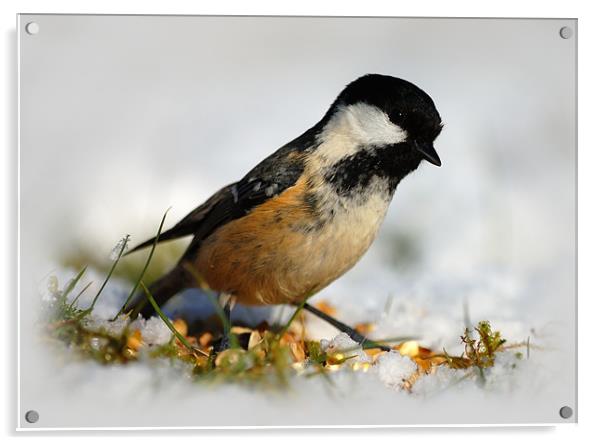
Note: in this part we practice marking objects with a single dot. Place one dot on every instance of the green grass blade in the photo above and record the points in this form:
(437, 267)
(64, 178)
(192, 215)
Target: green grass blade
(166, 320)
(72, 305)
(290, 320)
(148, 260)
(218, 309)
(121, 251)
(69, 288)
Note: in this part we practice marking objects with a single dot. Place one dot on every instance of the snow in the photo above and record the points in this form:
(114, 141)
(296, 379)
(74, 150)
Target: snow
(439, 380)
(120, 248)
(340, 343)
(394, 369)
(343, 344)
(113, 328)
(430, 310)
(512, 371)
(155, 332)
(51, 291)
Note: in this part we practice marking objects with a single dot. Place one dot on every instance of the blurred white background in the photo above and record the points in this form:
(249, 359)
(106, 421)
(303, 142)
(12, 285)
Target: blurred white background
(122, 117)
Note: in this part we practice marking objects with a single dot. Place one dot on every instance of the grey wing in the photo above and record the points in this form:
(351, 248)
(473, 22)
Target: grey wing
(195, 220)
(271, 177)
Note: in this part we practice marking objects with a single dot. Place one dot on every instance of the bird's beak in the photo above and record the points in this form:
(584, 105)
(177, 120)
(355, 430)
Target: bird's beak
(428, 152)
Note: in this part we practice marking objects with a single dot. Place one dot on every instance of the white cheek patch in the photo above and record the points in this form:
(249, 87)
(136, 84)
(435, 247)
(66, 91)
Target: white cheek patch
(357, 126)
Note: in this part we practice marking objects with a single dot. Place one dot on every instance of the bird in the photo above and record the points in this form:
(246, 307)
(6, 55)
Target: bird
(307, 213)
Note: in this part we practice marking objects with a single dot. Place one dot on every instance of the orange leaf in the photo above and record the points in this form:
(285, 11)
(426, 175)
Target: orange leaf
(181, 326)
(424, 352)
(287, 338)
(134, 340)
(409, 348)
(205, 339)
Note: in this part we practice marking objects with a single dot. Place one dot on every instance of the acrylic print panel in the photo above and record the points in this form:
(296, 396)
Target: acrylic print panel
(470, 279)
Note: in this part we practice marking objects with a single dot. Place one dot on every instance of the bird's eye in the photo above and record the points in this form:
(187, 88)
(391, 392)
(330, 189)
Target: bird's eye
(398, 117)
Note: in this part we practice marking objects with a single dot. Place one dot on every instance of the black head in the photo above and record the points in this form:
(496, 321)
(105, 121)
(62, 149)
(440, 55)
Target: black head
(406, 106)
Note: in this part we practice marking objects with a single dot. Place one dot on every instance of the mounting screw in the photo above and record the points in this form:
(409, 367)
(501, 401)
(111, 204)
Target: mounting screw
(566, 32)
(32, 28)
(566, 412)
(32, 416)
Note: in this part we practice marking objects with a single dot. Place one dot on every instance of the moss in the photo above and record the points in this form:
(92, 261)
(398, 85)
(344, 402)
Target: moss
(481, 352)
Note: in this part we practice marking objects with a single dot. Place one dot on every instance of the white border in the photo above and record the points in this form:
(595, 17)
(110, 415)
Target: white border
(17, 23)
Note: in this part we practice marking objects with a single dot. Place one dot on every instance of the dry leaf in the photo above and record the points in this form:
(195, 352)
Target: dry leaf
(297, 326)
(205, 339)
(129, 353)
(373, 352)
(287, 338)
(254, 339)
(409, 348)
(335, 359)
(424, 352)
(201, 360)
(297, 351)
(424, 365)
(134, 341)
(361, 366)
(181, 326)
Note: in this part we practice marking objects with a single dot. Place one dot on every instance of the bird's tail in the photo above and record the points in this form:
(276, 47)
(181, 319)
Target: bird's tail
(162, 290)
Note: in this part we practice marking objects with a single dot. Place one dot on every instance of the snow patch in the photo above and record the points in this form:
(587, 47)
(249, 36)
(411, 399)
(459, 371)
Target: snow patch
(345, 345)
(155, 332)
(393, 369)
(100, 324)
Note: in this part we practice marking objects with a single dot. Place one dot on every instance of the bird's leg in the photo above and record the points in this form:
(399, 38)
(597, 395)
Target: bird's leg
(355, 336)
(225, 342)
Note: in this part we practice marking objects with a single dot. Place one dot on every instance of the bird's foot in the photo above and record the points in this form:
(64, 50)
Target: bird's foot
(223, 345)
(364, 342)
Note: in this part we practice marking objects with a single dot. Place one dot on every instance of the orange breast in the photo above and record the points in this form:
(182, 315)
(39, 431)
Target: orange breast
(253, 257)
(277, 254)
